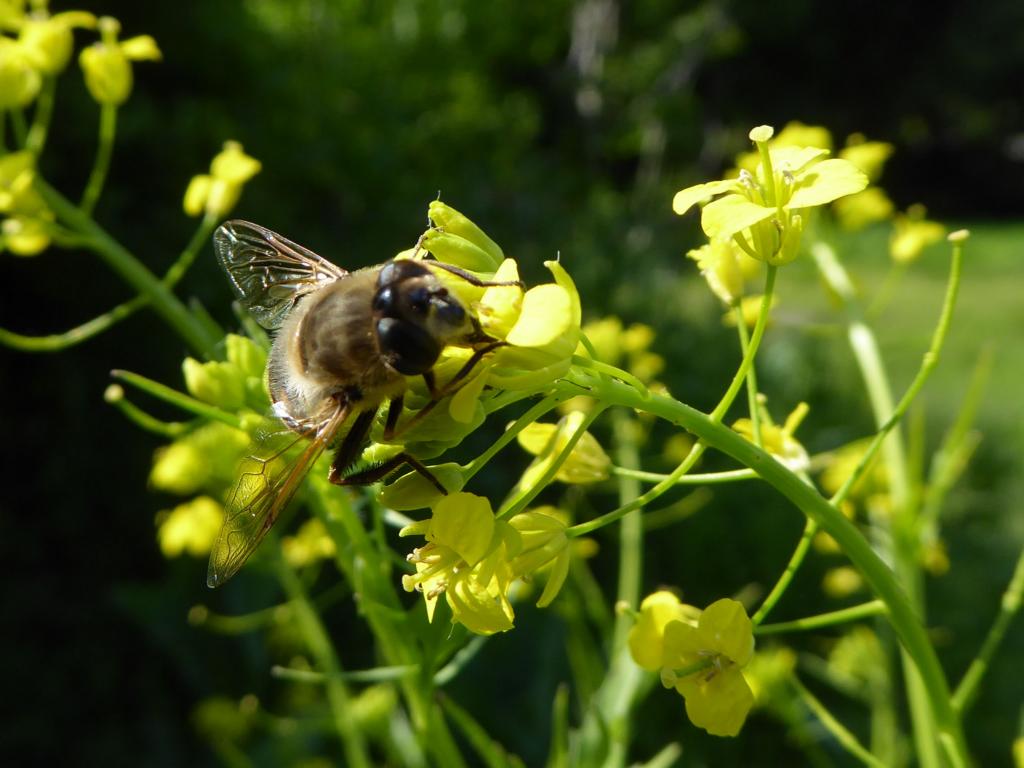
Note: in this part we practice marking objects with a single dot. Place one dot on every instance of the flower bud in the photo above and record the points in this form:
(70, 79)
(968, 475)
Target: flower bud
(19, 80)
(48, 42)
(451, 221)
(191, 527)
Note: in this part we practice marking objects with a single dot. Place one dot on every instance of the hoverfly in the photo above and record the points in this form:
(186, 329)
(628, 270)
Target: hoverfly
(344, 344)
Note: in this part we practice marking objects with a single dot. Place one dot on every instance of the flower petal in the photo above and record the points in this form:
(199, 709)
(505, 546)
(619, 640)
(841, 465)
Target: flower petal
(687, 198)
(546, 315)
(724, 627)
(465, 523)
(718, 703)
(728, 215)
(826, 181)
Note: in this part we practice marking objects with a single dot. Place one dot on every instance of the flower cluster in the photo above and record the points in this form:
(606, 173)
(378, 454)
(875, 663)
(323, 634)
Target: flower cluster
(37, 50)
(217, 192)
(205, 458)
(474, 559)
(760, 209)
(700, 654)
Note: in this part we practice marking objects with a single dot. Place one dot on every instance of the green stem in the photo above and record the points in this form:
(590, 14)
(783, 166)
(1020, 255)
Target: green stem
(928, 364)
(36, 139)
(319, 644)
(177, 399)
(752, 404)
(902, 524)
(132, 271)
(535, 412)
(882, 581)
(115, 396)
(87, 330)
(20, 129)
(376, 675)
(715, 416)
(104, 150)
(631, 529)
(755, 343)
(795, 561)
(520, 501)
(1008, 608)
(854, 613)
(705, 478)
(844, 737)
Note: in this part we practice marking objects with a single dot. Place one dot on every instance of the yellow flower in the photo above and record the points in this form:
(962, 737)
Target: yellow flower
(309, 544)
(465, 559)
(647, 636)
(841, 582)
(205, 458)
(718, 697)
(869, 156)
(26, 230)
(20, 81)
(218, 192)
(912, 233)
(779, 441)
(544, 336)
(542, 544)
(47, 40)
(587, 462)
(231, 384)
(760, 209)
(859, 210)
(794, 134)
(190, 527)
(107, 64)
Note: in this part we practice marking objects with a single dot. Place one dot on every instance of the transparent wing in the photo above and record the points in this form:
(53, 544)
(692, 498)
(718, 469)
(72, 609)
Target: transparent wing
(269, 273)
(267, 481)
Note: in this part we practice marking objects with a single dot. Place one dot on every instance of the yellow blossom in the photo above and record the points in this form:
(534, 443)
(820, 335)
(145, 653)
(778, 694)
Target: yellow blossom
(205, 458)
(309, 544)
(841, 582)
(779, 441)
(912, 233)
(465, 559)
(20, 81)
(718, 697)
(190, 527)
(857, 211)
(647, 636)
(542, 544)
(233, 383)
(106, 64)
(47, 40)
(760, 210)
(587, 462)
(217, 193)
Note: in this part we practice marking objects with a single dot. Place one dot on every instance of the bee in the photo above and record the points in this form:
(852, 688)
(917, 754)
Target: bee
(345, 344)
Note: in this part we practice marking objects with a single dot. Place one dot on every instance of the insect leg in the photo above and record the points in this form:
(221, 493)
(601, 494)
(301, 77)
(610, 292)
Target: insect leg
(394, 411)
(348, 451)
(472, 279)
(437, 395)
(374, 474)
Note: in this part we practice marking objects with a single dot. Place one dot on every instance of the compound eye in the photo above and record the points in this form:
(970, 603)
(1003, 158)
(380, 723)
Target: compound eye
(384, 300)
(408, 349)
(419, 300)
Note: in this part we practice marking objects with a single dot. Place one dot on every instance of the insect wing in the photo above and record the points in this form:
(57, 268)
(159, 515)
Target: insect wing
(267, 481)
(269, 273)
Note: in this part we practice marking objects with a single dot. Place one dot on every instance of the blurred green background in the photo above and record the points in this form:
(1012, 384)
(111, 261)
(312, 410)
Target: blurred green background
(560, 127)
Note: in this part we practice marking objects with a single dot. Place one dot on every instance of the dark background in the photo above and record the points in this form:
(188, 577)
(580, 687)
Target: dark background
(558, 127)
